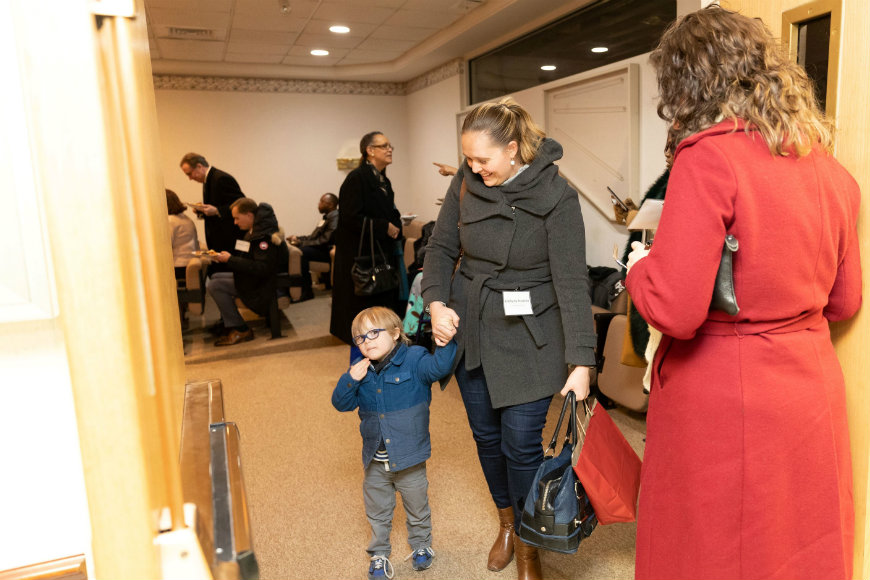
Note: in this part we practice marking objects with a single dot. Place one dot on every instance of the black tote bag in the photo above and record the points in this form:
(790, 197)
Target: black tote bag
(372, 273)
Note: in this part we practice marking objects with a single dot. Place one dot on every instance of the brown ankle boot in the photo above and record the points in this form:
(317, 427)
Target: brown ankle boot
(528, 561)
(502, 551)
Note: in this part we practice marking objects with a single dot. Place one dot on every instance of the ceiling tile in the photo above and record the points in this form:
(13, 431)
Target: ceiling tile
(302, 51)
(272, 37)
(265, 48)
(196, 5)
(153, 49)
(298, 8)
(254, 58)
(189, 18)
(268, 22)
(421, 19)
(457, 7)
(379, 3)
(360, 56)
(302, 61)
(359, 29)
(191, 50)
(386, 45)
(356, 12)
(403, 33)
(328, 41)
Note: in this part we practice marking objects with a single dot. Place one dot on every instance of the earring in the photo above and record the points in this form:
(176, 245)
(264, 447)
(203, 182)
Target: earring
(513, 162)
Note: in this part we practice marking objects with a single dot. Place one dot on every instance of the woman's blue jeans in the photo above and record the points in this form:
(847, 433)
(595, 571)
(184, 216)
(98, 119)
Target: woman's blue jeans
(508, 439)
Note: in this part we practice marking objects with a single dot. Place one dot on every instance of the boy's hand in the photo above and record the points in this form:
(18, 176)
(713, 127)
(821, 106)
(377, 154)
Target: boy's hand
(359, 370)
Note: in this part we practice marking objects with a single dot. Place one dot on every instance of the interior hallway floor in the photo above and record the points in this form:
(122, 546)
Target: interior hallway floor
(303, 473)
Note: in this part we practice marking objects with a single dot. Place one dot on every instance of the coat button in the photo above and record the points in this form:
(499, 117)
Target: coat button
(397, 379)
(382, 415)
(349, 385)
(387, 441)
(394, 464)
(379, 390)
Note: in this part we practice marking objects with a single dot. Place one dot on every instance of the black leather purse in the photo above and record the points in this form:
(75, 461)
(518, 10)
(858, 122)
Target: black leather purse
(372, 274)
(557, 514)
(724, 298)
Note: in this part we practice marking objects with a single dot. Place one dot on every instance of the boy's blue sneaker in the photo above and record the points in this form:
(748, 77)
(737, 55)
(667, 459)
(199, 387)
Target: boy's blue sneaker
(422, 558)
(380, 568)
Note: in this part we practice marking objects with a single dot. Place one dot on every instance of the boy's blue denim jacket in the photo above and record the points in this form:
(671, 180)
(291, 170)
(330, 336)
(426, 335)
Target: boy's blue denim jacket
(394, 404)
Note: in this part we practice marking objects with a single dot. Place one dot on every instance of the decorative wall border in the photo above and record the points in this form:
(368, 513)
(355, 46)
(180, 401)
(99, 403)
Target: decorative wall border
(263, 85)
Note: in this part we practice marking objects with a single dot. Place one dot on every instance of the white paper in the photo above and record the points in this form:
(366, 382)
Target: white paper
(517, 303)
(648, 215)
(243, 245)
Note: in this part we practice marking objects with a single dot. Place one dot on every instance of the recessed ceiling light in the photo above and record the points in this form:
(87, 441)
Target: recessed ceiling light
(548, 67)
(600, 49)
(338, 29)
(319, 52)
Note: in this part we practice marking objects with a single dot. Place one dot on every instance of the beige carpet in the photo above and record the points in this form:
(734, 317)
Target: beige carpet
(303, 473)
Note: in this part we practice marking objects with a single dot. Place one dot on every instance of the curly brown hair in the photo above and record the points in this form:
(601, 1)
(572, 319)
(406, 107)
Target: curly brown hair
(714, 64)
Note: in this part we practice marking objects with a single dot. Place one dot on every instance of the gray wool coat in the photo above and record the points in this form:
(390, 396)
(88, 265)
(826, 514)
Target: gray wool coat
(526, 235)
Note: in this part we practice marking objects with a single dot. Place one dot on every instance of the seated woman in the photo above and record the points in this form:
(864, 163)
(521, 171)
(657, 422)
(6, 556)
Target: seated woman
(182, 232)
(185, 242)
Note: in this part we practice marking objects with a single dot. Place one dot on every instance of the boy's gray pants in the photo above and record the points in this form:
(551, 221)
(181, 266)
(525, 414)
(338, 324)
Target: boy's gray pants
(379, 493)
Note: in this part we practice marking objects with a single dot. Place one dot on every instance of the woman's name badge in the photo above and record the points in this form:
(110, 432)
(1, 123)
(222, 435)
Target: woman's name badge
(243, 245)
(517, 303)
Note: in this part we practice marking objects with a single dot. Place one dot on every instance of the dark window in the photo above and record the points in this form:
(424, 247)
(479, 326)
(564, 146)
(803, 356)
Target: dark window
(814, 40)
(625, 27)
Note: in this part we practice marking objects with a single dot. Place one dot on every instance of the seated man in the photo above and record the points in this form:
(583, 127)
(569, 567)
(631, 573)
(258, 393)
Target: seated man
(253, 267)
(315, 247)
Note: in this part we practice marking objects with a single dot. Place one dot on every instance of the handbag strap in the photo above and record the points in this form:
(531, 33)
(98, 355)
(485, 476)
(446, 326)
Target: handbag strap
(362, 236)
(568, 405)
(372, 243)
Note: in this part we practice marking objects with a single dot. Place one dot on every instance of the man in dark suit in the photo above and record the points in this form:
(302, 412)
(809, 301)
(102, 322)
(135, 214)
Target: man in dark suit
(316, 247)
(219, 191)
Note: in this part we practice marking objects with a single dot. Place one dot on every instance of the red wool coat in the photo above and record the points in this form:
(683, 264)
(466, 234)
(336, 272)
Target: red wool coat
(747, 469)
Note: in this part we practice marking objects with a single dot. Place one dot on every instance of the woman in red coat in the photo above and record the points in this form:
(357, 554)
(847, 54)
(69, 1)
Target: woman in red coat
(747, 470)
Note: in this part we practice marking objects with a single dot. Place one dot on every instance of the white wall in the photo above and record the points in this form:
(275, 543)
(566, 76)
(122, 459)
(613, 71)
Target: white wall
(432, 134)
(281, 147)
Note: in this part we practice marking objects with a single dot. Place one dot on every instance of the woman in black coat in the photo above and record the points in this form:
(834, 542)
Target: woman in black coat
(365, 193)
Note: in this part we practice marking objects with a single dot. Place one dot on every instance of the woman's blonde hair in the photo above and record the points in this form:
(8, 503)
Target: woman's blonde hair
(714, 64)
(378, 317)
(506, 121)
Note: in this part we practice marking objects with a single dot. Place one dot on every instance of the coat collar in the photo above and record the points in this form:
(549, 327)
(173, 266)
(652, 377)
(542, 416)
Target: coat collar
(395, 357)
(720, 128)
(536, 190)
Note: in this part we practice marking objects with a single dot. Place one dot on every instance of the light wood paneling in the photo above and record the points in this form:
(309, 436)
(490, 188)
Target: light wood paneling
(851, 338)
(90, 111)
(72, 568)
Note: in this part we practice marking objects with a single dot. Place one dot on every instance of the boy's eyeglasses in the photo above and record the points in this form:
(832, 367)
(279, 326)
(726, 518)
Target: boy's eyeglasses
(371, 335)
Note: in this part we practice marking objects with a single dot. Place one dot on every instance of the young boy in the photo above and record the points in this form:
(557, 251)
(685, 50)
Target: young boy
(392, 387)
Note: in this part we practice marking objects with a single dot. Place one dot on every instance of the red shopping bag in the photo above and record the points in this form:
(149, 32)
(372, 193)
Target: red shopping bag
(607, 467)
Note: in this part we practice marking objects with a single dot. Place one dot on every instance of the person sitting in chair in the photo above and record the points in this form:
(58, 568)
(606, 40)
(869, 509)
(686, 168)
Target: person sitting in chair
(253, 267)
(316, 247)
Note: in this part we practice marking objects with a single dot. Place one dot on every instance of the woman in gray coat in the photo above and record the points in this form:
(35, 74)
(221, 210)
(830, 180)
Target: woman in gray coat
(519, 299)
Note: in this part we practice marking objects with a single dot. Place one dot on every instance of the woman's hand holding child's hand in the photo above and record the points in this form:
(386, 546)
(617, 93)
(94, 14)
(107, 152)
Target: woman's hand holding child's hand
(359, 369)
(445, 321)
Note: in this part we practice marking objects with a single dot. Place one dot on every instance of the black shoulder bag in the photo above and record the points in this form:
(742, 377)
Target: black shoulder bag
(372, 274)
